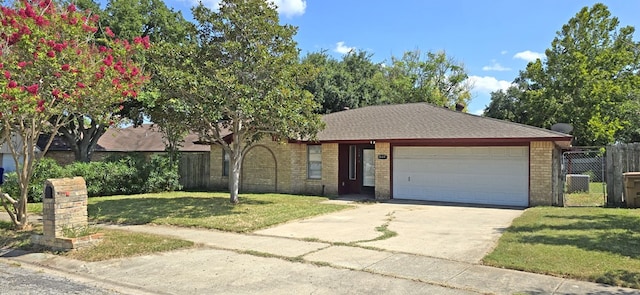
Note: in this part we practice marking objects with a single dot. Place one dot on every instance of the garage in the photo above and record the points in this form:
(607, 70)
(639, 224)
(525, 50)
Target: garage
(477, 175)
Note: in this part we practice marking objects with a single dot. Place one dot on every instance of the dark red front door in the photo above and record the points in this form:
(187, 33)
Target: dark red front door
(351, 170)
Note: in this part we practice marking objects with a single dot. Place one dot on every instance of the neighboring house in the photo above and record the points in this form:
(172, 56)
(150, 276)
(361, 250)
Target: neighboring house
(145, 139)
(410, 151)
(6, 159)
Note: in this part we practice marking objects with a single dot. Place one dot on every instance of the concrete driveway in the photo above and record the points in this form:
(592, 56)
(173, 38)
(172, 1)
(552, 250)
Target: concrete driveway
(459, 233)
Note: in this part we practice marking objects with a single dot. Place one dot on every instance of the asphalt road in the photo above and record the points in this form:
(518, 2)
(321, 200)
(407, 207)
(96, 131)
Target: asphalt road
(15, 279)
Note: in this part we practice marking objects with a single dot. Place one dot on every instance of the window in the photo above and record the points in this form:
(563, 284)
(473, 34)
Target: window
(314, 159)
(352, 162)
(225, 163)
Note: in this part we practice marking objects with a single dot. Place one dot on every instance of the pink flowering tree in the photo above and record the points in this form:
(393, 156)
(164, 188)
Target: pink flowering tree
(53, 66)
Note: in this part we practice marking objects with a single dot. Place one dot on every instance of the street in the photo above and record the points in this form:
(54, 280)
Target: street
(15, 279)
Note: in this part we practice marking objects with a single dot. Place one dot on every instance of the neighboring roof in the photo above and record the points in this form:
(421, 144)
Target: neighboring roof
(144, 138)
(420, 121)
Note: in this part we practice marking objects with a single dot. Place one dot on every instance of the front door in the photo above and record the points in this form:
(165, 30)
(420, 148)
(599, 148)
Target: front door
(356, 169)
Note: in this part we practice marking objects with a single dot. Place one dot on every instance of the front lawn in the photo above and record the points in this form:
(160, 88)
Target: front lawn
(208, 210)
(593, 244)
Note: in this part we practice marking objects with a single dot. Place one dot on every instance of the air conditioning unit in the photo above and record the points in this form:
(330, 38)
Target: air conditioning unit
(577, 183)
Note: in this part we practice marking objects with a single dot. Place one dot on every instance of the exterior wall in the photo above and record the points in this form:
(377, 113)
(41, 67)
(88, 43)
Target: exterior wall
(383, 171)
(330, 180)
(279, 167)
(217, 181)
(259, 170)
(541, 180)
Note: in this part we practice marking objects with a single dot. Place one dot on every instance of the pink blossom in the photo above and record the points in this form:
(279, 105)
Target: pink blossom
(109, 32)
(33, 89)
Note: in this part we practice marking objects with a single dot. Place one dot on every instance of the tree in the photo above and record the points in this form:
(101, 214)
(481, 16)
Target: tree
(589, 79)
(150, 19)
(51, 67)
(348, 83)
(432, 77)
(242, 77)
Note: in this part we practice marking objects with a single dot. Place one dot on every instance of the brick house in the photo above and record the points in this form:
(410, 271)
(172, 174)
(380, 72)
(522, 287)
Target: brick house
(409, 151)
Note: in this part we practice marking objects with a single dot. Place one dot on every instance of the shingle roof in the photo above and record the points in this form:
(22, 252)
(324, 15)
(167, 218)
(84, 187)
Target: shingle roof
(145, 138)
(423, 121)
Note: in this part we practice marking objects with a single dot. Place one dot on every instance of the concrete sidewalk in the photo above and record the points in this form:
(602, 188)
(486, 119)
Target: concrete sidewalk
(251, 264)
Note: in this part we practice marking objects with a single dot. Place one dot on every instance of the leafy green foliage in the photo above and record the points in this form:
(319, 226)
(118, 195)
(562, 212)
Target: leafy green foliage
(46, 168)
(53, 66)
(356, 81)
(162, 174)
(242, 76)
(431, 77)
(127, 175)
(588, 79)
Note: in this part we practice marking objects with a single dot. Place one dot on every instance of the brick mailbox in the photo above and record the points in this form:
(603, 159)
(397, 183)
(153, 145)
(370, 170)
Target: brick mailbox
(64, 208)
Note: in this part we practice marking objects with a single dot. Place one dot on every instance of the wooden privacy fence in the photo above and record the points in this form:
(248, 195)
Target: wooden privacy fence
(194, 170)
(621, 158)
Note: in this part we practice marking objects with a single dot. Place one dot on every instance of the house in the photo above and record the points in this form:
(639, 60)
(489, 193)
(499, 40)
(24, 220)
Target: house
(7, 162)
(410, 151)
(145, 139)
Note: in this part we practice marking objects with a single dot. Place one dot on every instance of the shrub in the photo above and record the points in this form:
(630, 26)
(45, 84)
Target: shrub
(45, 169)
(162, 174)
(130, 174)
(111, 177)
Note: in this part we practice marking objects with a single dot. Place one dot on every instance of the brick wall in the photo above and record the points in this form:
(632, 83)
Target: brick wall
(272, 166)
(383, 171)
(217, 181)
(330, 169)
(541, 173)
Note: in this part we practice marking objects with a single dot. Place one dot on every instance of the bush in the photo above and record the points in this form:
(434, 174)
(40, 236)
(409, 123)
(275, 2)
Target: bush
(127, 175)
(162, 174)
(45, 169)
(111, 177)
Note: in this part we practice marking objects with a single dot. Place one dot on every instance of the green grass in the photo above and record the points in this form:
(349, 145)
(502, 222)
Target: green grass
(593, 198)
(119, 244)
(593, 244)
(208, 210)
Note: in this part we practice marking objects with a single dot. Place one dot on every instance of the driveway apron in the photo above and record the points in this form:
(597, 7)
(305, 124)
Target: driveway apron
(456, 233)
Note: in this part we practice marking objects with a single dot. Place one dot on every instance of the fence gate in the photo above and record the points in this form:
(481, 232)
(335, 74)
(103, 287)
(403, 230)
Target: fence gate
(583, 173)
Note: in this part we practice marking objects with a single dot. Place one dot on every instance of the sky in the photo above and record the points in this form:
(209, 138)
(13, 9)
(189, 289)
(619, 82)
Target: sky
(494, 39)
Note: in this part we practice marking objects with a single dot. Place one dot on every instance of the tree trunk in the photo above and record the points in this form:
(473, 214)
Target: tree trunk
(81, 153)
(81, 139)
(234, 177)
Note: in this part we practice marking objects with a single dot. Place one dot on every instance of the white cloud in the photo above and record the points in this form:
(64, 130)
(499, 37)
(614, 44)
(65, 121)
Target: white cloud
(529, 55)
(291, 8)
(495, 67)
(343, 49)
(487, 84)
(287, 8)
(503, 52)
(478, 112)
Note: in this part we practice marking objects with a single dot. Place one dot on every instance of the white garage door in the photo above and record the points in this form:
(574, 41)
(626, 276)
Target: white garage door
(478, 175)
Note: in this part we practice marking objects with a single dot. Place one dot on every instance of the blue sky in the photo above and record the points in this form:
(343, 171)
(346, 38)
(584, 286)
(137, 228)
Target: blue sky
(493, 39)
